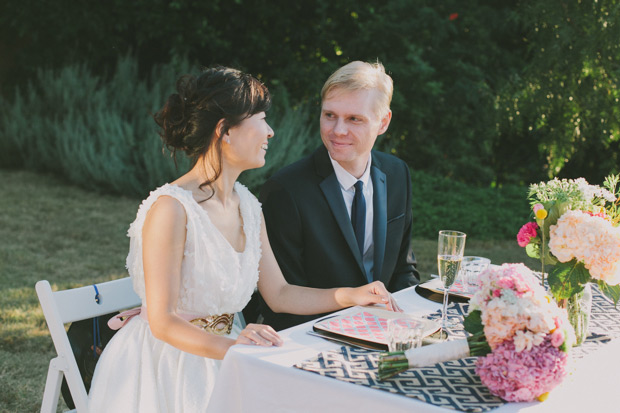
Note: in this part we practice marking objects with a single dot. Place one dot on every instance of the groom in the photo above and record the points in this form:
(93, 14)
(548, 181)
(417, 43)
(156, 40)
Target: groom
(342, 216)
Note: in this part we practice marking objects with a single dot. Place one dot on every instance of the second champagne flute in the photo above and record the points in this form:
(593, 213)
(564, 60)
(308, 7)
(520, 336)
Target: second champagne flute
(449, 257)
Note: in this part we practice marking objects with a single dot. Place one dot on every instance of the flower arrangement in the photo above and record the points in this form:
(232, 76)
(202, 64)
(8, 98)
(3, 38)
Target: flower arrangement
(575, 230)
(520, 334)
(527, 332)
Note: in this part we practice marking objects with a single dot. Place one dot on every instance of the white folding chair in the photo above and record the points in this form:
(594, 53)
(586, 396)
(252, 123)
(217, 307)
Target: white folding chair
(67, 306)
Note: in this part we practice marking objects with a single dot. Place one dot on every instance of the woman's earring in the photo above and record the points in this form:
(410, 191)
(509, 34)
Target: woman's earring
(227, 140)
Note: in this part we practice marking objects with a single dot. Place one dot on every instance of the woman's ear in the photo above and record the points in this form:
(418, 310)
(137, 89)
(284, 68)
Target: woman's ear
(221, 130)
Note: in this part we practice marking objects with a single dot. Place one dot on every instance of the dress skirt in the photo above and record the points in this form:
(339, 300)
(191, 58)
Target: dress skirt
(140, 373)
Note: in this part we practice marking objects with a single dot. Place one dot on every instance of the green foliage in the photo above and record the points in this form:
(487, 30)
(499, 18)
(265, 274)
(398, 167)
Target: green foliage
(613, 210)
(447, 72)
(482, 213)
(533, 248)
(444, 91)
(564, 105)
(473, 322)
(99, 133)
(96, 131)
(477, 342)
(611, 291)
(567, 279)
(507, 92)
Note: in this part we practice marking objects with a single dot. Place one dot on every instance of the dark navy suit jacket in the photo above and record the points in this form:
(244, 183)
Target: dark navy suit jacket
(311, 234)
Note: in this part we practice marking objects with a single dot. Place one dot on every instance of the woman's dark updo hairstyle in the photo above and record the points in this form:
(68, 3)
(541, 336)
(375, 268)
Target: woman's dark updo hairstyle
(190, 116)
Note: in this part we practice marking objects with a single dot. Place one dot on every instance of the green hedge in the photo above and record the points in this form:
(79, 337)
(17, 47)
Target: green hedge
(98, 132)
(484, 213)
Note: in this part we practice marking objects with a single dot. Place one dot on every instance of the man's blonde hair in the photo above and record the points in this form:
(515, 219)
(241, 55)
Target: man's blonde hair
(363, 76)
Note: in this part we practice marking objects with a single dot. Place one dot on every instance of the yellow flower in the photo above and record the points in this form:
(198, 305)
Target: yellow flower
(543, 397)
(541, 214)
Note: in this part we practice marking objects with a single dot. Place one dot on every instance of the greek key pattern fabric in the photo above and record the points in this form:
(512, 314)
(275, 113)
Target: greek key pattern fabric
(453, 385)
(605, 318)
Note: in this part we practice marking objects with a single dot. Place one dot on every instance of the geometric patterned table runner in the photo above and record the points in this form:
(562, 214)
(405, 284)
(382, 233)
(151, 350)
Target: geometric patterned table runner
(454, 384)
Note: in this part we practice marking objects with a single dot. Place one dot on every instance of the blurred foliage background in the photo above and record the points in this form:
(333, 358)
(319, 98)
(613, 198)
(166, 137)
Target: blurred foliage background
(488, 94)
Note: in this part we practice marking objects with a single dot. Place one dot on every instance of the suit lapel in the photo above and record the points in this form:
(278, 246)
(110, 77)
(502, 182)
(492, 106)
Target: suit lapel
(379, 217)
(333, 195)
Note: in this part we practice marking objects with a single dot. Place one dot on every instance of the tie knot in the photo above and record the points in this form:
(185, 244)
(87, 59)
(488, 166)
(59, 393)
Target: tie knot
(359, 186)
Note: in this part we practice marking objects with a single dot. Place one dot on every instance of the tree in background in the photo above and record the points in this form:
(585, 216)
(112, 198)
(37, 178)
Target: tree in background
(483, 88)
(563, 109)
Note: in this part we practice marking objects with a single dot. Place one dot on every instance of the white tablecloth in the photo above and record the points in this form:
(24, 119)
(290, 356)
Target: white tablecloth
(259, 379)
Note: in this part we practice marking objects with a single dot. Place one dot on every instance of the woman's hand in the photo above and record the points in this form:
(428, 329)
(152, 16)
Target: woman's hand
(374, 293)
(259, 335)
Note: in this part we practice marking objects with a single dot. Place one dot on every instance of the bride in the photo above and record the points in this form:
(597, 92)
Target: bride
(198, 249)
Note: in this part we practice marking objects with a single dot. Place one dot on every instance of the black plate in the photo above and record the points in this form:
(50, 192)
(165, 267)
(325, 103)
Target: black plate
(438, 297)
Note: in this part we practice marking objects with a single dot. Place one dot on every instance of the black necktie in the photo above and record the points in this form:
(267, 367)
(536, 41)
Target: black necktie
(358, 215)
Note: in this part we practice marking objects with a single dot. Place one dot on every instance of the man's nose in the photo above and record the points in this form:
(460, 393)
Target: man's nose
(340, 128)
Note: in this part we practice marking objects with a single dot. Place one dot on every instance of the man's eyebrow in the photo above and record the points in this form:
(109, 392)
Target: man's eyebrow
(355, 115)
(346, 115)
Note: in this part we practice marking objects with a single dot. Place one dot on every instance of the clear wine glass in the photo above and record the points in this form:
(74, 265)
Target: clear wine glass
(449, 257)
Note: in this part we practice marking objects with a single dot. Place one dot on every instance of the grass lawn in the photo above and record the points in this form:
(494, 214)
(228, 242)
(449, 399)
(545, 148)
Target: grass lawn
(72, 237)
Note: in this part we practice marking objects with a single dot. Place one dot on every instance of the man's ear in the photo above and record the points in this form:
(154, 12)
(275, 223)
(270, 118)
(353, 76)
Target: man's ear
(385, 122)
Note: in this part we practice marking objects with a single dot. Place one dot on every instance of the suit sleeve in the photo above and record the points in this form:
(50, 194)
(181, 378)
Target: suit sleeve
(405, 274)
(284, 231)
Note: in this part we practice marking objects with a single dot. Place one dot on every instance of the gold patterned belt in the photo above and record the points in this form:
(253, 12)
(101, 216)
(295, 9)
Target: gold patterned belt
(217, 324)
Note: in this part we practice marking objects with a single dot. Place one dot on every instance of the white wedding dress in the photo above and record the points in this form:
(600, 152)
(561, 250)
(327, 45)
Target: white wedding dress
(139, 373)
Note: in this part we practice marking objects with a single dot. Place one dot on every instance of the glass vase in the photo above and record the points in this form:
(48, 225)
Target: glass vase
(579, 307)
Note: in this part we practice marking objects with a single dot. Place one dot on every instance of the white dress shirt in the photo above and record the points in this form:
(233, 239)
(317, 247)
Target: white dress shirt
(347, 182)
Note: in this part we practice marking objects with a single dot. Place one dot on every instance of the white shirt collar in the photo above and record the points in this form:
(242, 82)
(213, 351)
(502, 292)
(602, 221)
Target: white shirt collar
(345, 179)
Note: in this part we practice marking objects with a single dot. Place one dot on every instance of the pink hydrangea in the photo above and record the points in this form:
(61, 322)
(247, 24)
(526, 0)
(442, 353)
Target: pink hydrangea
(526, 233)
(513, 303)
(520, 376)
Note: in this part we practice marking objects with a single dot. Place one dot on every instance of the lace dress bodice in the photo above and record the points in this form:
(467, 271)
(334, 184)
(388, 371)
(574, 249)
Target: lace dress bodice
(216, 278)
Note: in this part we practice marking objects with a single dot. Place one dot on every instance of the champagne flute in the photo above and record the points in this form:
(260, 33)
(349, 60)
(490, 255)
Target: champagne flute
(449, 256)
